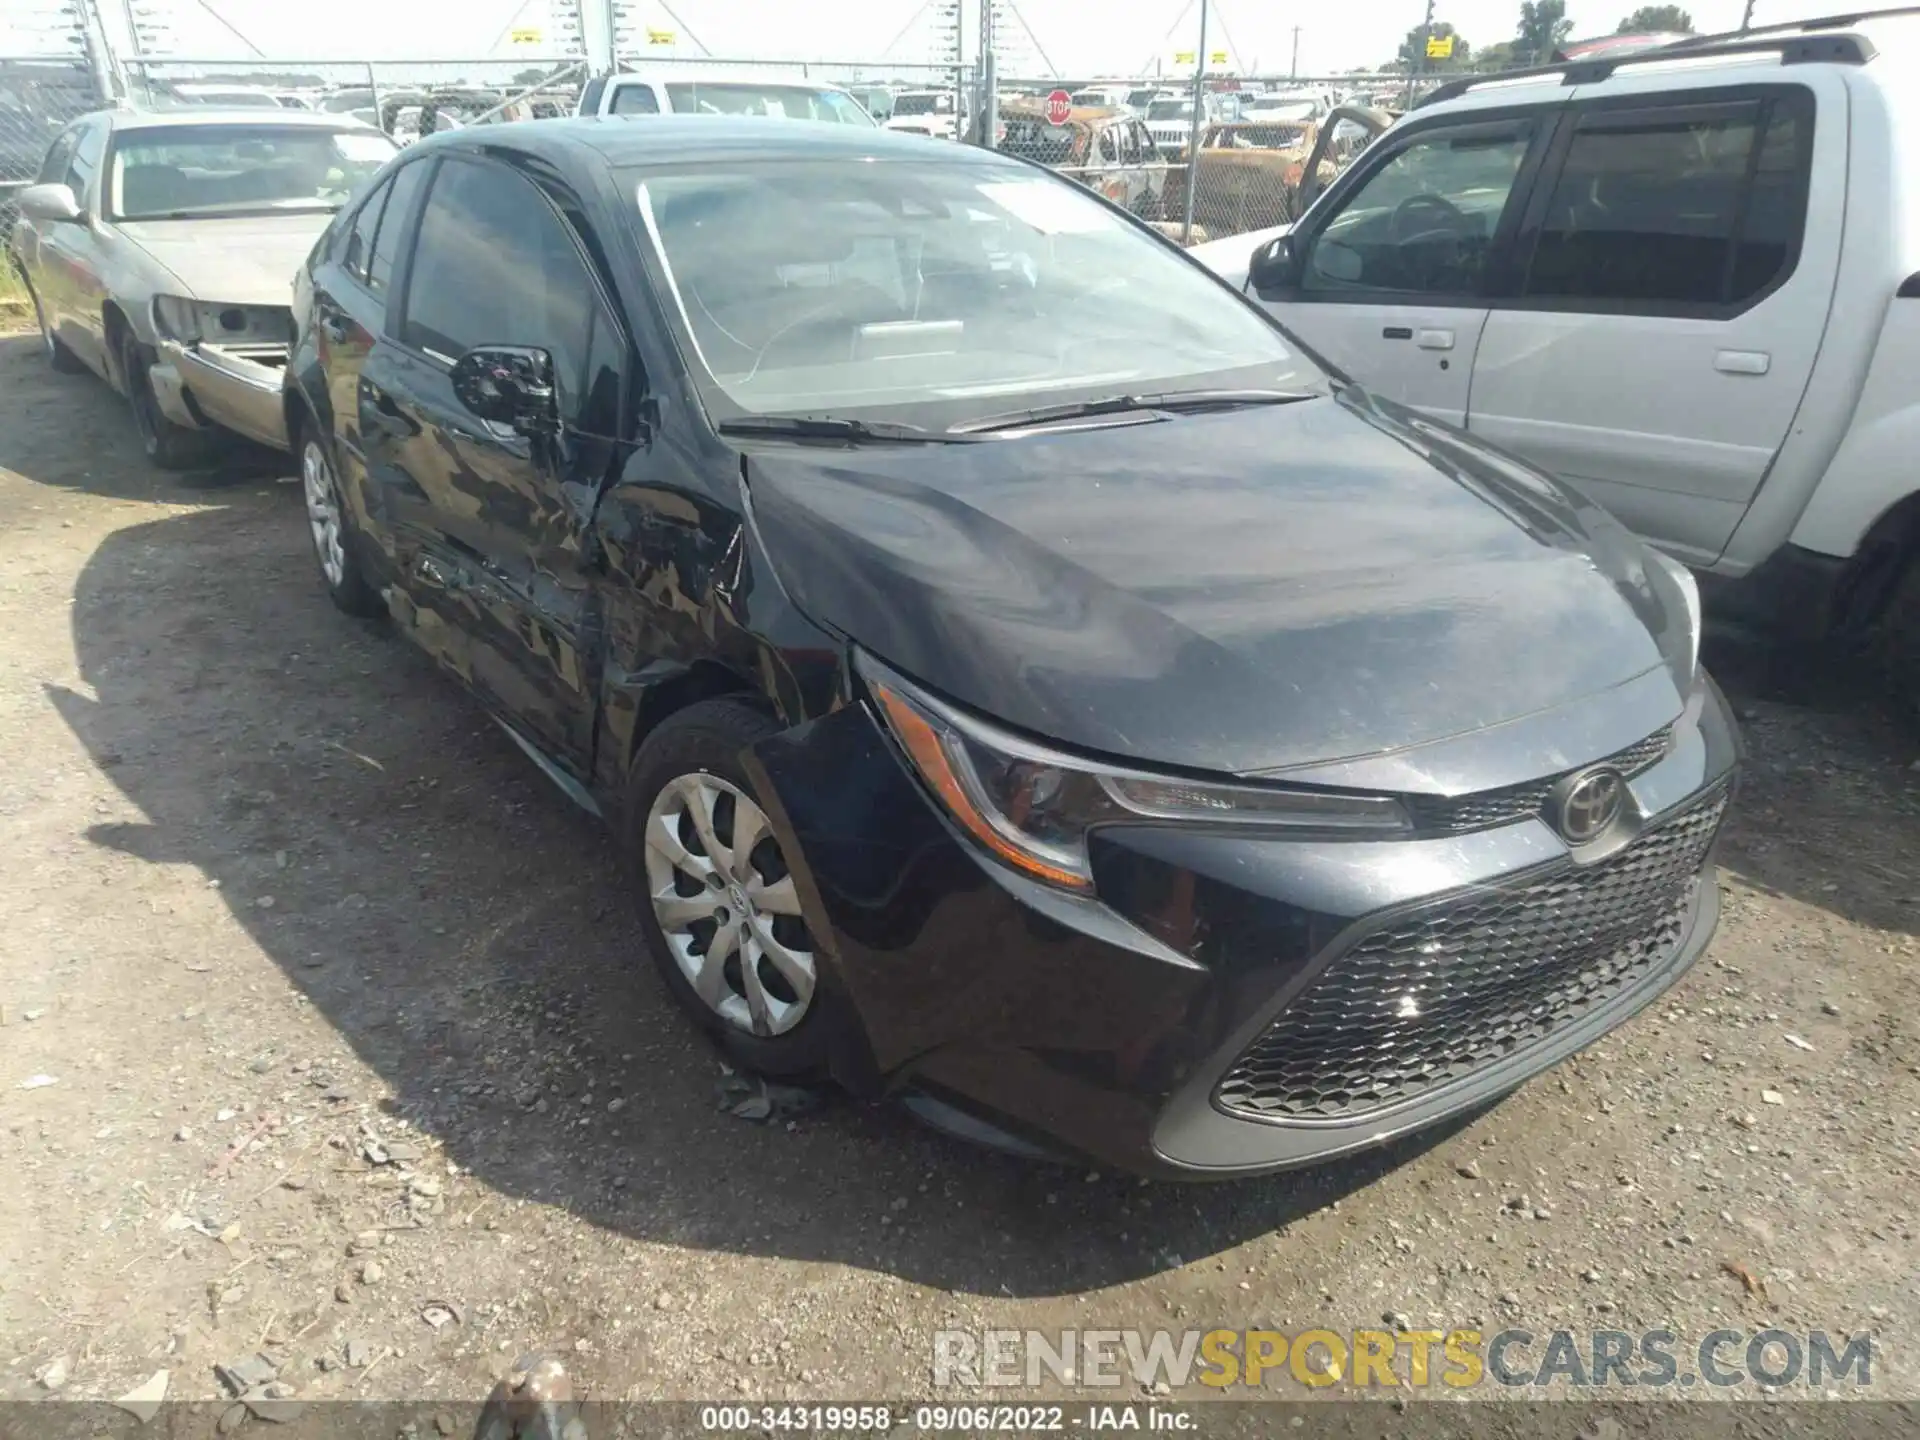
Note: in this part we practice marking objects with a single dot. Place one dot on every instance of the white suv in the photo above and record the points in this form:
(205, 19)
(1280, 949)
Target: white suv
(1686, 280)
(720, 90)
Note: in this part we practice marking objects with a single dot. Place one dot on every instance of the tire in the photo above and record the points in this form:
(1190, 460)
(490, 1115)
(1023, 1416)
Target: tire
(337, 548)
(170, 446)
(778, 1031)
(59, 357)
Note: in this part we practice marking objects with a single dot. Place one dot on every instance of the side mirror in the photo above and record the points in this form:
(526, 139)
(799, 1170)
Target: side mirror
(1274, 266)
(49, 202)
(509, 385)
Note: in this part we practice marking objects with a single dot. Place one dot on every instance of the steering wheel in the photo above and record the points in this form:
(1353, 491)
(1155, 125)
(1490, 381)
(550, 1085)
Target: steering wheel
(1426, 232)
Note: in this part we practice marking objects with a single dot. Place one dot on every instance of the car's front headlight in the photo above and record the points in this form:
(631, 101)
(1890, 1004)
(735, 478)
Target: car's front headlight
(175, 317)
(1032, 806)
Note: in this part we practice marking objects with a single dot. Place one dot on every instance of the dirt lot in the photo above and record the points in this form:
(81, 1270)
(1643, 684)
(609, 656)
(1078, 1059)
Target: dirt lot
(267, 878)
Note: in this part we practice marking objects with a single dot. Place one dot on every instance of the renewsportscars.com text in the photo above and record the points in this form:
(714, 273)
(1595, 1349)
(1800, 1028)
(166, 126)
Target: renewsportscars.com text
(1360, 1359)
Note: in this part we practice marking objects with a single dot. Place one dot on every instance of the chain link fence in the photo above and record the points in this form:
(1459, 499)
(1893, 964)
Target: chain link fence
(38, 96)
(403, 98)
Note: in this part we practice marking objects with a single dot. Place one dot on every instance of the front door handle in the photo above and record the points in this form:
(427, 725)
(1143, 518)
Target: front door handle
(1434, 340)
(1743, 362)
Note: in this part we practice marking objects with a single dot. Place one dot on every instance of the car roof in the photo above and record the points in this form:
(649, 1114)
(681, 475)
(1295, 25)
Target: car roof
(622, 140)
(236, 115)
(719, 75)
(1863, 42)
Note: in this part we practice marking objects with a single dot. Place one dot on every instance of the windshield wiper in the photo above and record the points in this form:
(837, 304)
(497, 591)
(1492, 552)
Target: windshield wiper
(1172, 402)
(833, 427)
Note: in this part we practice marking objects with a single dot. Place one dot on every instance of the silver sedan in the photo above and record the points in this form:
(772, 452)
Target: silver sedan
(160, 250)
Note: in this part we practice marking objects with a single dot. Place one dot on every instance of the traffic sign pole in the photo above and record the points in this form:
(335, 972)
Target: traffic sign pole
(1193, 136)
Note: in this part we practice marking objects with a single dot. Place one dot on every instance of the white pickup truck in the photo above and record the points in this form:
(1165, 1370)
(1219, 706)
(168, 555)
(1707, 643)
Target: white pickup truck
(1686, 280)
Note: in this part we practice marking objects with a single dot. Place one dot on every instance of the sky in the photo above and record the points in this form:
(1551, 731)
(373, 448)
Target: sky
(1081, 37)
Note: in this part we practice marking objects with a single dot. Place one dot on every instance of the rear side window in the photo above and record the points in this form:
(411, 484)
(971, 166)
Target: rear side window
(359, 248)
(635, 100)
(1676, 209)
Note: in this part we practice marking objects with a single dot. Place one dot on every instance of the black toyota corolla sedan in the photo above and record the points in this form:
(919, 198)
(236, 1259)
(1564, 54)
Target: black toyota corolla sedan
(1023, 678)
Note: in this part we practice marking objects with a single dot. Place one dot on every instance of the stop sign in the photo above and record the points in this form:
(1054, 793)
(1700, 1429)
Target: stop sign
(1059, 107)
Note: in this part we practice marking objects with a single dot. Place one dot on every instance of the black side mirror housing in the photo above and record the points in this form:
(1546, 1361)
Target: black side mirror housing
(509, 385)
(1273, 266)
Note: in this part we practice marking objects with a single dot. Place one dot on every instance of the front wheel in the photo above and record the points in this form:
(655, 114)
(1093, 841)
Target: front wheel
(170, 446)
(719, 903)
(334, 543)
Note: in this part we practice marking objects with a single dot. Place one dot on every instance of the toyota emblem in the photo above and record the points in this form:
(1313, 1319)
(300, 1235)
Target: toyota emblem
(1590, 803)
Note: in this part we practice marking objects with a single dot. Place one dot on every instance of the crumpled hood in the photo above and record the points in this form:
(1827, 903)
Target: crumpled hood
(248, 260)
(1238, 592)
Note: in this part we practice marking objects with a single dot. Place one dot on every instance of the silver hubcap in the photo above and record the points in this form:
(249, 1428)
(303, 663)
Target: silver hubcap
(727, 905)
(323, 511)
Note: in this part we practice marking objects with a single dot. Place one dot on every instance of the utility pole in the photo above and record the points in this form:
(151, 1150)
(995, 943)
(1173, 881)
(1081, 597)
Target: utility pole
(1419, 65)
(1746, 17)
(1193, 135)
(1293, 70)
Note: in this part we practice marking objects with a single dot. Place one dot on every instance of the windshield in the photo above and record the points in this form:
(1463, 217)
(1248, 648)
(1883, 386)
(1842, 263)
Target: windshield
(1282, 110)
(789, 102)
(1250, 136)
(922, 104)
(175, 172)
(1170, 110)
(935, 293)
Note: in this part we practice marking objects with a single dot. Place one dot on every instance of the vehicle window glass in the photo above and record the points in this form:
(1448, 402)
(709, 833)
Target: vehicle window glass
(402, 189)
(87, 150)
(781, 102)
(1423, 223)
(53, 170)
(1649, 213)
(635, 100)
(1107, 152)
(241, 168)
(1130, 143)
(494, 265)
(934, 293)
(358, 252)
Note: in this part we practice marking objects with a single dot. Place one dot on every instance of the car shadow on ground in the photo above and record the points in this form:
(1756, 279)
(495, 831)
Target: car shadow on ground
(468, 933)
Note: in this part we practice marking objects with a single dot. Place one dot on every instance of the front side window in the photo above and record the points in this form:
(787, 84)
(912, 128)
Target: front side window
(934, 293)
(1423, 223)
(179, 172)
(53, 169)
(782, 102)
(1659, 211)
(495, 265)
(941, 104)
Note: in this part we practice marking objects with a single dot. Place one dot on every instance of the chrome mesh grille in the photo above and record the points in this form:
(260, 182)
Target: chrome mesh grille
(1486, 808)
(1441, 993)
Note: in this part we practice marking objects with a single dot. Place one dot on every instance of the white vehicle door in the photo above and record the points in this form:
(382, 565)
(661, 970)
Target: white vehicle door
(1392, 268)
(1671, 292)
(70, 251)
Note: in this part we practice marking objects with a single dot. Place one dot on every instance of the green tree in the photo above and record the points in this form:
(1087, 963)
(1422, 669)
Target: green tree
(1497, 56)
(1657, 20)
(1413, 49)
(1543, 27)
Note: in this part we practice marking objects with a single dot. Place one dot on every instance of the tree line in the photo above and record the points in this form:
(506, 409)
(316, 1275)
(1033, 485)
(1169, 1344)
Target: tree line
(1544, 27)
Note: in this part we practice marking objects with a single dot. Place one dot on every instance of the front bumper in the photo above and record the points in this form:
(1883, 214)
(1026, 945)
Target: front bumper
(1107, 1024)
(237, 389)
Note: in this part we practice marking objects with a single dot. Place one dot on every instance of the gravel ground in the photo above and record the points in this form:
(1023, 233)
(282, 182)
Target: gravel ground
(355, 1057)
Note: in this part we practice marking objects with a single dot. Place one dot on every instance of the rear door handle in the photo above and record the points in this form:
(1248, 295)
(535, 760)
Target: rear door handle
(1397, 332)
(1434, 340)
(1743, 362)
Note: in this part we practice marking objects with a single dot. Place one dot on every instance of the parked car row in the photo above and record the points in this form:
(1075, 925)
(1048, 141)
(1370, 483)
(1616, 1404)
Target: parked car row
(1021, 675)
